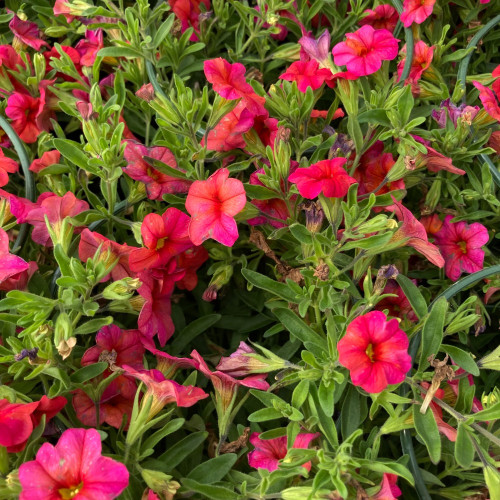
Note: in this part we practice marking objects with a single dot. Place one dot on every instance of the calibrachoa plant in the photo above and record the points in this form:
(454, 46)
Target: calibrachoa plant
(249, 249)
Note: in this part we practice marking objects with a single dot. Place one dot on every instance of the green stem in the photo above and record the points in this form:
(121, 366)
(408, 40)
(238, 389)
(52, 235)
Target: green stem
(409, 46)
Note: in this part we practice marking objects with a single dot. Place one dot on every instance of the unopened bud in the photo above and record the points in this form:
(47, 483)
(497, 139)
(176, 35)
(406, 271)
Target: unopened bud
(122, 289)
(86, 111)
(146, 92)
(491, 361)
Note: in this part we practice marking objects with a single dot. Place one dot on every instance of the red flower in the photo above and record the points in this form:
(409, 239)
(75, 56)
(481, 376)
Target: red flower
(416, 11)
(434, 160)
(269, 452)
(90, 46)
(375, 351)
(444, 428)
(432, 223)
(17, 420)
(422, 58)
(384, 16)
(164, 237)
(23, 110)
(46, 160)
(489, 100)
(227, 79)
(388, 488)
(326, 176)
(213, 204)
(306, 74)
(188, 11)
(157, 183)
(27, 32)
(7, 166)
(112, 254)
(398, 306)
(189, 262)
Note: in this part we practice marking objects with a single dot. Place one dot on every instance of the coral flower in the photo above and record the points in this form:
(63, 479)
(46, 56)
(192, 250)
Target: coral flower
(375, 351)
(169, 365)
(227, 79)
(23, 110)
(46, 160)
(28, 32)
(388, 488)
(422, 58)
(416, 11)
(434, 160)
(157, 183)
(269, 452)
(17, 420)
(188, 12)
(73, 468)
(326, 176)
(432, 223)
(213, 204)
(489, 100)
(444, 428)
(164, 237)
(384, 16)
(416, 234)
(306, 74)
(7, 166)
(365, 49)
(461, 243)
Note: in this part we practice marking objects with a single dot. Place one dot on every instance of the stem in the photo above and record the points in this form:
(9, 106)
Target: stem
(409, 46)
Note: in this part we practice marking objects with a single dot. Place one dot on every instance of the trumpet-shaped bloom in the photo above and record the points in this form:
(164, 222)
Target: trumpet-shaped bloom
(213, 204)
(422, 58)
(46, 160)
(416, 11)
(157, 183)
(238, 364)
(375, 351)
(23, 110)
(168, 365)
(28, 32)
(415, 231)
(7, 166)
(461, 243)
(164, 237)
(384, 16)
(17, 420)
(489, 100)
(73, 468)
(306, 74)
(269, 452)
(227, 79)
(388, 488)
(11, 266)
(364, 50)
(326, 176)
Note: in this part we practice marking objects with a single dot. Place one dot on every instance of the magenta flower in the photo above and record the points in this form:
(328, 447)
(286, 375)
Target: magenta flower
(489, 100)
(461, 243)
(316, 49)
(28, 32)
(306, 74)
(227, 79)
(90, 46)
(364, 50)
(388, 488)
(384, 16)
(375, 351)
(269, 452)
(168, 364)
(326, 176)
(10, 265)
(73, 468)
(416, 11)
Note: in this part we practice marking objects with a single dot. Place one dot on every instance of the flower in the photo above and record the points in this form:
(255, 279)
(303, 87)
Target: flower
(46, 160)
(316, 49)
(365, 49)
(227, 79)
(494, 141)
(12, 267)
(168, 365)
(73, 468)
(28, 32)
(7, 166)
(188, 11)
(415, 231)
(90, 46)
(238, 364)
(326, 176)
(444, 428)
(375, 351)
(306, 74)
(213, 204)
(422, 58)
(190, 261)
(112, 254)
(384, 16)
(416, 11)
(269, 452)
(464, 113)
(460, 244)
(23, 109)
(18, 420)
(432, 223)
(146, 92)
(398, 306)
(388, 488)
(164, 237)
(157, 183)
(489, 100)
(434, 160)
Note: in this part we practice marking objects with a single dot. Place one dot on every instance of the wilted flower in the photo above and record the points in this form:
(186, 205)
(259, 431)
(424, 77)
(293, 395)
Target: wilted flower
(27, 32)
(146, 92)
(317, 49)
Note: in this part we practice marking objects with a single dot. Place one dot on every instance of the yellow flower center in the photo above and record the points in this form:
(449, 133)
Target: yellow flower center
(369, 352)
(463, 246)
(68, 493)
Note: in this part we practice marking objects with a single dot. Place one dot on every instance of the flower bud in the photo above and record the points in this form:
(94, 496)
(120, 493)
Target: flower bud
(146, 92)
(122, 289)
(491, 361)
(314, 215)
(86, 111)
(160, 483)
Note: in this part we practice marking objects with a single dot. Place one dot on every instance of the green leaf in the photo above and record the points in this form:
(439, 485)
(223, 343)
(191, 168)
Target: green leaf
(464, 450)
(163, 30)
(180, 450)
(461, 358)
(263, 282)
(255, 192)
(213, 470)
(412, 293)
(194, 329)
(427, 429)
(350, 415)
(432, 332)
(169, 428)
(299, 328)
(264, 414)
(120, 52)
(72, 151)
(93, 325)
(210, 491)
(491, 413)
(378, 116)
(88, 372)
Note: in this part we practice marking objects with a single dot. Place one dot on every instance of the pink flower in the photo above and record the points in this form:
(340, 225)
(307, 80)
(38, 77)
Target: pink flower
(489, 100)
(27, 32)
(238, 364)
(364, 50)
(416, 234)
(188, 11)
(306, 74)
(416, 11)
(164, 237)
(388, 488)
(7, 166)
(326, 176)
(12, 267)
(189, 262)
(213, 204)
(375, 351)
(384, 16)
(168, 365)
(63, 7)
(46, 160)
(73, 468)
(90, 46)
(157, 183)
(227, 79)
(422, 58)
(316, 49)
(461, 243)
(269, 452)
